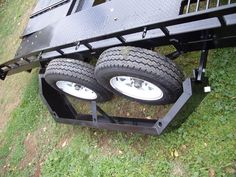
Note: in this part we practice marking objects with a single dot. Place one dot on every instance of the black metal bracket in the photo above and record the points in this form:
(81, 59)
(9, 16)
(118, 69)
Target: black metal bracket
(174, 55)
(202, 65)
(2, 74)
(63, 111)
(199, 73)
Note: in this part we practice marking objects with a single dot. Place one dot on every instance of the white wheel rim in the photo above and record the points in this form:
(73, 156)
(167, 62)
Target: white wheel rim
(136, 88)
(76, 90)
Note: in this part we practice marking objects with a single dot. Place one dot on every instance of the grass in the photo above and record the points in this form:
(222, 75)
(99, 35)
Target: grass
(32, 144)
(13, 16)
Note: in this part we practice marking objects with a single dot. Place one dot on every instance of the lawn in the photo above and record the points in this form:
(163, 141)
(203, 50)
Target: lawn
(32, 144)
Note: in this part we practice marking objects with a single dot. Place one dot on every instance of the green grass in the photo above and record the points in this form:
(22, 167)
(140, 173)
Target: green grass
(32, 143)
(206, 141)
(13, 16)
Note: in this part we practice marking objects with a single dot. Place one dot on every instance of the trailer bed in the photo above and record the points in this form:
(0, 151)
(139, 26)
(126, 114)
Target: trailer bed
(139, 23)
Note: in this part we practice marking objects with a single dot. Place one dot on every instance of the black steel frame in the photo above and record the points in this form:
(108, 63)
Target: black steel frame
(224, 35)
(63, 112)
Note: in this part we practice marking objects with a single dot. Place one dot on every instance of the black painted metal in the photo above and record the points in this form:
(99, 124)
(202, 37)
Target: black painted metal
(63, 112)
(104, 25)
(48, 12)
(39, 10)
(83, 5)
(203, 60)
(113, 23)
(202, 65)
(2, 74)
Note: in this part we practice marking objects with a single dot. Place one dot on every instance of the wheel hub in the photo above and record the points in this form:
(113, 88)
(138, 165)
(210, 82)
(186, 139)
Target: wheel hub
(76, 90)
(136, 88)
(137, 83)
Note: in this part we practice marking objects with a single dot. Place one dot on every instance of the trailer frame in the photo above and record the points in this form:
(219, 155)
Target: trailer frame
(201, 30)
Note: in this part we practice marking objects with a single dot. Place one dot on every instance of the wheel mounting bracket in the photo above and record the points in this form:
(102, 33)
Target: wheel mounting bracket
(63, 112)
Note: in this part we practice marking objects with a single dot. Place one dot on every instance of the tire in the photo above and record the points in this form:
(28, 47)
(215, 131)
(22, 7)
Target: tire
(140, 64)
(62, 73)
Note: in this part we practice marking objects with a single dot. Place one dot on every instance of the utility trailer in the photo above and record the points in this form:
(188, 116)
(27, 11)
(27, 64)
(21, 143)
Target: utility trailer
(62, 37)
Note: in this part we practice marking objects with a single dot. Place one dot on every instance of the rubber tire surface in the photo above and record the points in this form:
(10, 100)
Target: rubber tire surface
(75, 71)
(144, 64)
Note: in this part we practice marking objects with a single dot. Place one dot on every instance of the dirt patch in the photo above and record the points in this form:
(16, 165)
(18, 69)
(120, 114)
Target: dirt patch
(31, 144)
(31, 156)
(139, 147)
(37, 172)
(106, 147)
(231, 169)
(64, 142)
(31, 151)
(178, 169)
(10, 95)
(7, 108)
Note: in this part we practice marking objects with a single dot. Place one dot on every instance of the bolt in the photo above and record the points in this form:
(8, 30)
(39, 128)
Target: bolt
(150, 88)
